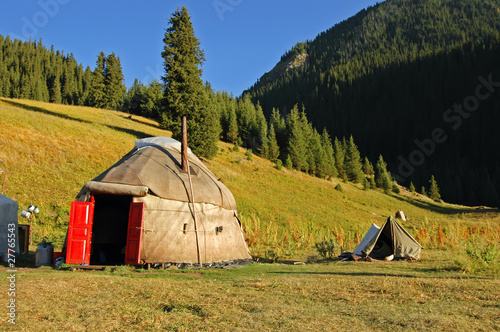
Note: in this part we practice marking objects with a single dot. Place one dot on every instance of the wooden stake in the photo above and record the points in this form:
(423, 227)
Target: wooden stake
(184, 145)
(194, 214)
(185, 168)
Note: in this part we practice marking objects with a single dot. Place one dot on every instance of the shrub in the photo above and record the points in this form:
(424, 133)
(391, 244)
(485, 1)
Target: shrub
(339, 188)
(288, 163)
(279, 165)
(249, 155)
(395, 188)
(366, 184)
(482, 255)
(326, 248)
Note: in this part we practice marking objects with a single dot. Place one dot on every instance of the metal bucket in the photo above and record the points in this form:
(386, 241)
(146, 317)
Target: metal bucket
(44, 254)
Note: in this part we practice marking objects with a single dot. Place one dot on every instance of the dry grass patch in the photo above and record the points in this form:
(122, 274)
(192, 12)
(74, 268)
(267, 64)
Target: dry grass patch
(414, 296)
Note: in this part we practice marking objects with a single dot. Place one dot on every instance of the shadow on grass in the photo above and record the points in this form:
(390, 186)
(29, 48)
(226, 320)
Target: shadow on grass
(131, 118)
(44, 111)
(384, 274)
(136, 133)
(443, 209)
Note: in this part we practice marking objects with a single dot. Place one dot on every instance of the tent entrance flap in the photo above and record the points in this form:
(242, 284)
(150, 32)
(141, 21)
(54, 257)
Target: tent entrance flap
(109, 233)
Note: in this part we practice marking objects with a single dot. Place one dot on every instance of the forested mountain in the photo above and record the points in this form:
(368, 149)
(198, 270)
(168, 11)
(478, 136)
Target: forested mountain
(28, 70)
(413, 80)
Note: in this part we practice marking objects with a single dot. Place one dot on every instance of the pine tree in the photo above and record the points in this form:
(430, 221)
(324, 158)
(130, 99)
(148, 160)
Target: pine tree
(184, 92)
(274, 149)
(232, 131)
(97, 92)
(261, 124)
(387, 184)
(279, 125)
(352, 162)
(423, 191)
(339, 154)
(366, 184)
(297, 144)
(55, 88)
(368, 167)
(113, 80)
(326, 141)
(412, 187)
(151, 103)
(288, 163)
(434, 189)
(381, 172)
(247, 121)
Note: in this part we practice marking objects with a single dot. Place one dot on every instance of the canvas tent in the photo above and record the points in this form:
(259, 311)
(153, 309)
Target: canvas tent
(8, 226)
(141, 210)
(390, 239)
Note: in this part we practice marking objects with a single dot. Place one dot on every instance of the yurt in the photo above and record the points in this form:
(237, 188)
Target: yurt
(150, 207)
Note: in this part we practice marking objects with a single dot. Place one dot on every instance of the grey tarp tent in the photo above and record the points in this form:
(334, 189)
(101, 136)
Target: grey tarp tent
(390, 239)
(8, 218)
(149, 182)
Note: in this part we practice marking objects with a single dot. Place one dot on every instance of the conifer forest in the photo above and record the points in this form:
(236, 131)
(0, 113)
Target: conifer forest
(406, 91)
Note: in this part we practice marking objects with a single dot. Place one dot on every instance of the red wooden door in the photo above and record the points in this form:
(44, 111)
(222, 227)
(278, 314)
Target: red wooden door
(80, 233)
(134, 234)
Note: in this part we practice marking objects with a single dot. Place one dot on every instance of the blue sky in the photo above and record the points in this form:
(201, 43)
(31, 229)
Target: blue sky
(242, 39)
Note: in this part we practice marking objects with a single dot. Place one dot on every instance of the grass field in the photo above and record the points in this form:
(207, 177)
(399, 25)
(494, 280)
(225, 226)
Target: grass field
(50, 151)
(428, 295)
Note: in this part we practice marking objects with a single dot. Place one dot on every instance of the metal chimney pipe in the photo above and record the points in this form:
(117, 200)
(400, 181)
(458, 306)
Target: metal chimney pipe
(184, 145)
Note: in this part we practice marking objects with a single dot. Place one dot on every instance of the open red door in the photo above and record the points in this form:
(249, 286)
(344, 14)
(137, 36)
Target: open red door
(80, 233)
(134, 234)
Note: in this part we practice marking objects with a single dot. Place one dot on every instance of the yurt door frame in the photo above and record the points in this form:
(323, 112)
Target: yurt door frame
(80, 233)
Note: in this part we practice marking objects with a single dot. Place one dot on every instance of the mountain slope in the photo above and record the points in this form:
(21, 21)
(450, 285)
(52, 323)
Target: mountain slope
(50, 151)
(389, 77)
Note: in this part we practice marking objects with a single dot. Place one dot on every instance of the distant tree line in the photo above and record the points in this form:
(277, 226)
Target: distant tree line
(28, 70)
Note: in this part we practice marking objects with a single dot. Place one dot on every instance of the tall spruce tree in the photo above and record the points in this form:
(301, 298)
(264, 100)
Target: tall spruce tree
(113, 80)
(434, 189)
(273, 151)
(232, 129)
(297, 144)
(326, 141)
(184, 92)
(382, 177)
(97, 93)
(352, 162)
(368, 167)
(339, 154)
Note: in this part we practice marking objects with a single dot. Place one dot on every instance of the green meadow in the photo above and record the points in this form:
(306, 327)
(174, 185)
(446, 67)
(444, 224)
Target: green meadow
(48, 152)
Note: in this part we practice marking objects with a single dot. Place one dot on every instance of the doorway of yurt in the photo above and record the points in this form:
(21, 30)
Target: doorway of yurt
(109, 230)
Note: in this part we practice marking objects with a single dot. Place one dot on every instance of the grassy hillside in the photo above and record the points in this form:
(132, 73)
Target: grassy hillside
(50, 151)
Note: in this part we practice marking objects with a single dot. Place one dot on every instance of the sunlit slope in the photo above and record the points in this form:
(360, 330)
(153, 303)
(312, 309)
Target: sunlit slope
(48, 152)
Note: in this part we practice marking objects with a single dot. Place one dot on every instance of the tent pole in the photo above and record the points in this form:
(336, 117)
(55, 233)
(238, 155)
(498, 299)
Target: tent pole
(185, 167)
(184, 160)
(194, 214)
